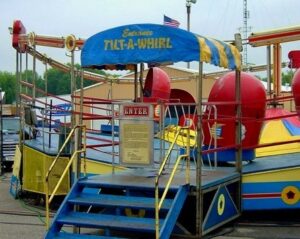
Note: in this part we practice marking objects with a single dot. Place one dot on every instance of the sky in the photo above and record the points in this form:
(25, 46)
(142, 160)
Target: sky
(219, 19)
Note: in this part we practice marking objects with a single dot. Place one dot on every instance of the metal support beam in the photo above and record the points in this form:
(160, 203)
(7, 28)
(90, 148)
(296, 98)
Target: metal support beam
(277, 68)
(199, 198)
(269, 71)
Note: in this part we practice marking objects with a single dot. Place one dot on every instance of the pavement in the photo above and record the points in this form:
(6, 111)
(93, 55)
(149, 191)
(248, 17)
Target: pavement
(18, 220)
(21, 219)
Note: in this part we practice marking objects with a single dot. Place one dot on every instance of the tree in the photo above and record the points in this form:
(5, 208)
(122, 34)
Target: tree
(8, 85)
(59, 82)
(286, 77)
(27, 76)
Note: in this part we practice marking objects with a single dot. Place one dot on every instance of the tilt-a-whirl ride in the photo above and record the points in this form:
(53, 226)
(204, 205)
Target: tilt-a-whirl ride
(144, 174)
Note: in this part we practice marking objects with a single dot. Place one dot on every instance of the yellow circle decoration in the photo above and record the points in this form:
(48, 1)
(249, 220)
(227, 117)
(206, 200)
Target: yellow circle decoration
(221, 204)
(70, 42)
(290, 195)
(31, 38)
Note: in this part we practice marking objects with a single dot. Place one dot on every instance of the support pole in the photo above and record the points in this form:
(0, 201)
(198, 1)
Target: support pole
(73, 89)
(79, 139)
(188, 11)
(199, 199)
(26, 72)
(269, 70)
(238, 135)
(17, 82)
(277, 68)
(34, 76)
(238, 129)
(141, 81)
(135, 83)
(19, 86)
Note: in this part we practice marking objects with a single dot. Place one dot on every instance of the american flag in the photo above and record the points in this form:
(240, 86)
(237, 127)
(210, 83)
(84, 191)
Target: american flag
(170, 22)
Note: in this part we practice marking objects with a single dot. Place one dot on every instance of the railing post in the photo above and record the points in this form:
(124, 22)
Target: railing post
(47, 205)
(49, 196)
(156, 210)
(84, 150)
(188, 156)
(159, 201)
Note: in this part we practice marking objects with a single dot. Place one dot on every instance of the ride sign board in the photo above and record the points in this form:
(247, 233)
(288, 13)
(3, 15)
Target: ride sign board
(136, 135)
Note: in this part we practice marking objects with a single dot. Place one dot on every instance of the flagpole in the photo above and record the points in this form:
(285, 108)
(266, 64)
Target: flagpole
(188, 11)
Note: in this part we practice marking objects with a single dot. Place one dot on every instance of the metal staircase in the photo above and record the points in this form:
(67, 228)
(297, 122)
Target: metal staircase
(122, 204)
(113, 211)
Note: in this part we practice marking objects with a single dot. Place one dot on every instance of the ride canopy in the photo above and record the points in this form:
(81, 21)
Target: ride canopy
(155, 44)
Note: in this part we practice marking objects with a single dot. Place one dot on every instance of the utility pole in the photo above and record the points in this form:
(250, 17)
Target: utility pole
(188, 11)
(245, 31)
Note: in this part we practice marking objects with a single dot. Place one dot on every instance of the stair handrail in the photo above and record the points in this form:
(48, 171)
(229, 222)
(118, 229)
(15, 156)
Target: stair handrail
(50, 196)
(159, 202)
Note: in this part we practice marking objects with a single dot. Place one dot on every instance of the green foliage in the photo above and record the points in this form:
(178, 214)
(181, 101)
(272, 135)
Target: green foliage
(58, 82)
(28, 76)
(286, 77)
(8, 85)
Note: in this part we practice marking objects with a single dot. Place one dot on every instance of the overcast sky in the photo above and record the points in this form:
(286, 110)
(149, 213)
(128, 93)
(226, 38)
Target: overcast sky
(213, 18)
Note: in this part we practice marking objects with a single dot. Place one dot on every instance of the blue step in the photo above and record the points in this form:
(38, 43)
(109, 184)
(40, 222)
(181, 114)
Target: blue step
(93, 220)
(67, 235)
(171, 218)
(97, 183)
(107, 200)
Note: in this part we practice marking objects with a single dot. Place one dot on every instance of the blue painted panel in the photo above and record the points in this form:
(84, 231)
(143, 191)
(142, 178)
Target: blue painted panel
(268, 196)
(266, 204)
(221, 209)
(14, 186)
(107, 128)
(174, 211)
(272, 162)
(229, 155)
(293, 129)
(267, 187)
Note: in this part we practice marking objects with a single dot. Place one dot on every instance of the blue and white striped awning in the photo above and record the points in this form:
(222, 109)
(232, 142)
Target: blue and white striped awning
(155, 44)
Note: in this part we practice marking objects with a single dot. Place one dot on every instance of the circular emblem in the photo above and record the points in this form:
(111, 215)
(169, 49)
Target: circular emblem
(70, 42)
(31, 38)
(221, 204)
(290, 195)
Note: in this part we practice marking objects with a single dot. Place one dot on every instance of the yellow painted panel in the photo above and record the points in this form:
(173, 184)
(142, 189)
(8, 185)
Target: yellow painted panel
(170, 132)
(275, 131)
(280, 175)
(17, 162)
(93, 167)
(35, 167)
